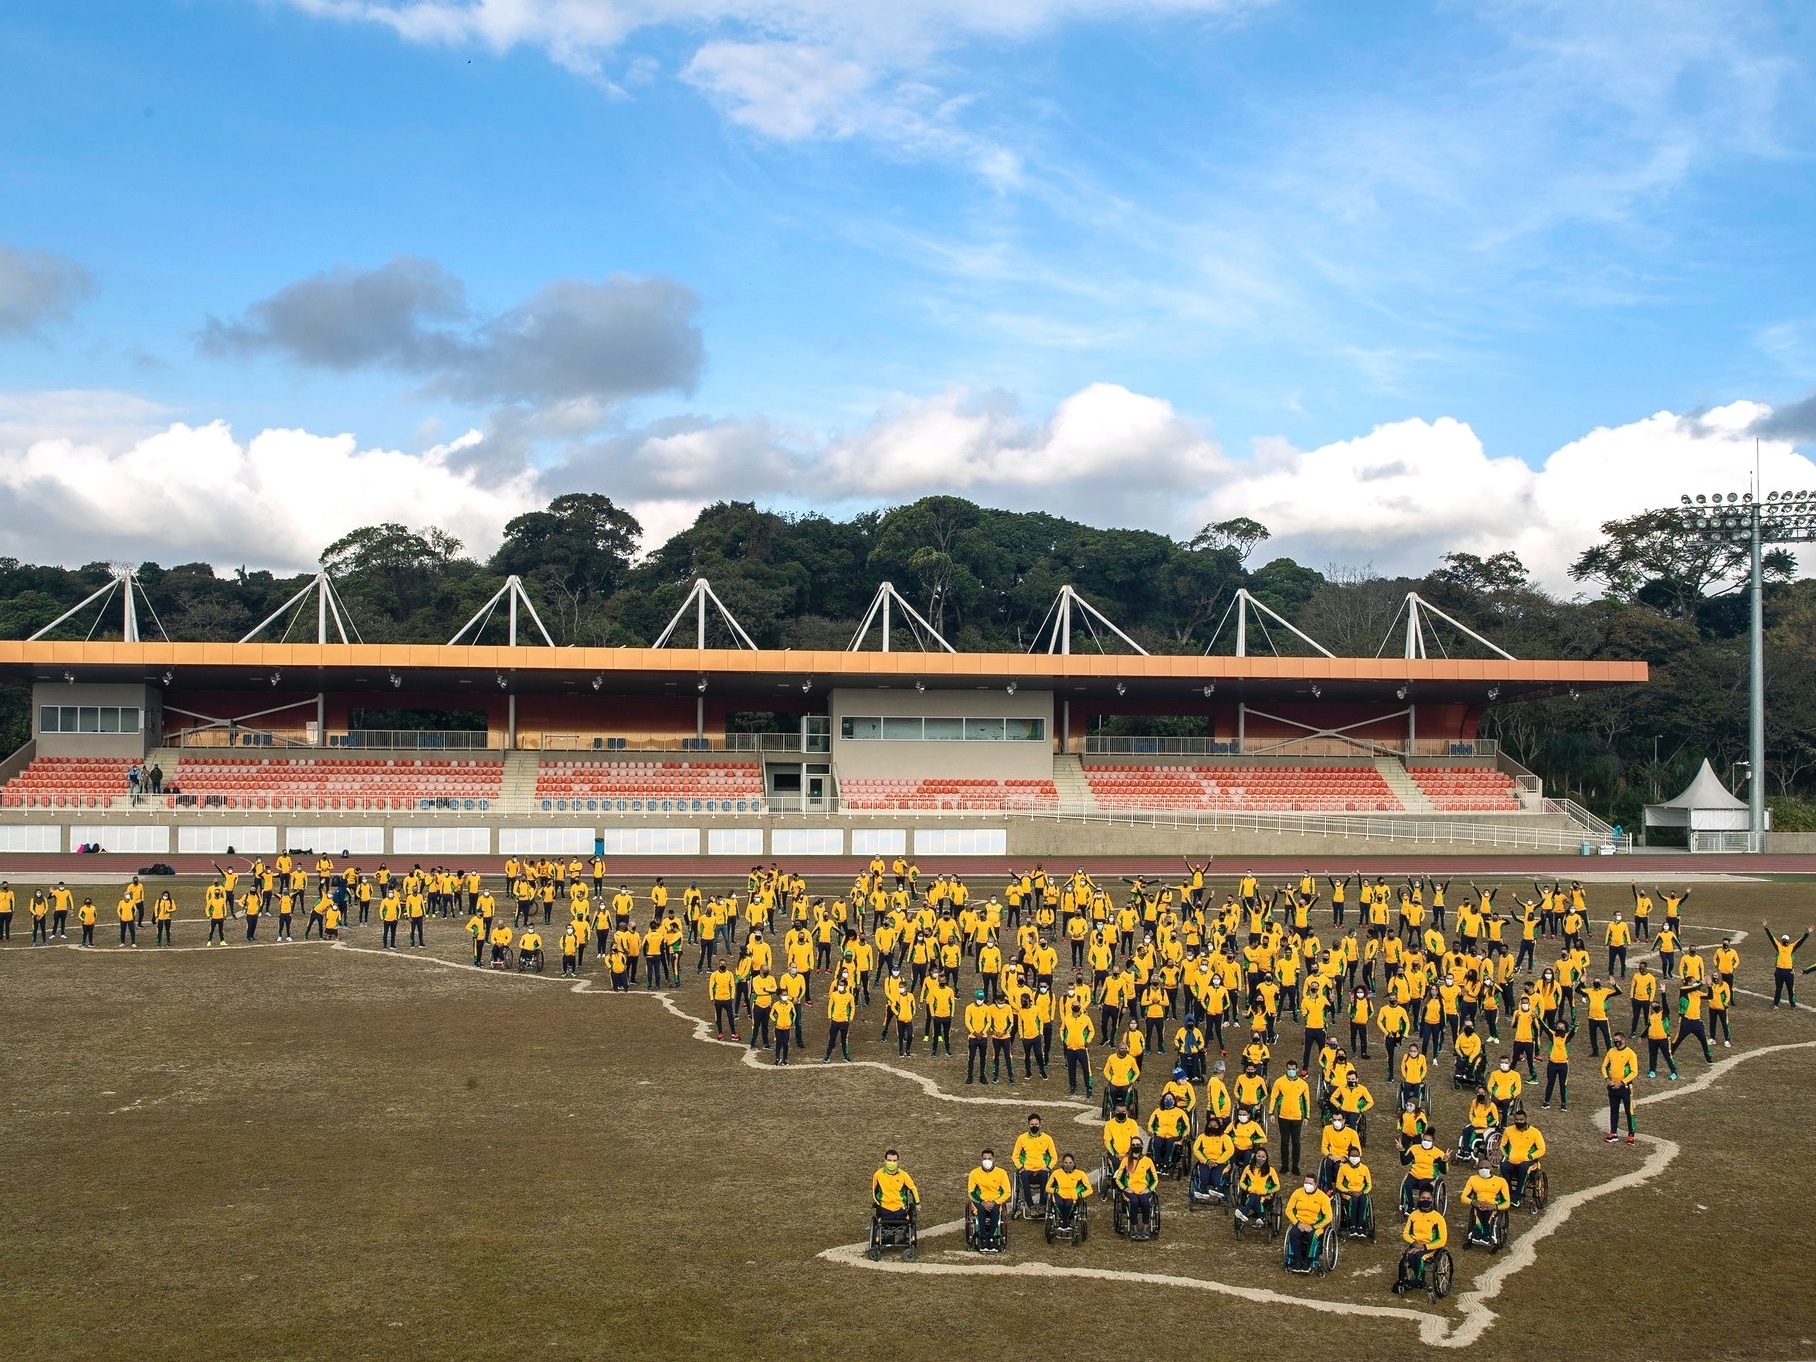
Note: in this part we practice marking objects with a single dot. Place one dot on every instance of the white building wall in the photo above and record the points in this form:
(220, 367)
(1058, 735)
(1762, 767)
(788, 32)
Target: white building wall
(883, 758)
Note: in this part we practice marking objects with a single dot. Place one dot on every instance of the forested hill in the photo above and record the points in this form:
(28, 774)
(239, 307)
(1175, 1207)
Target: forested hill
(987, 579)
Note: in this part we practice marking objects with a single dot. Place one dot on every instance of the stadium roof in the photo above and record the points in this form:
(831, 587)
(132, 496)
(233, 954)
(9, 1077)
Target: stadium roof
(372, 666)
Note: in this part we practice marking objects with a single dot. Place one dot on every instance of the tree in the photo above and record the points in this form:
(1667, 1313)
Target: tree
(577, 553)
(1240, 534)
(1652, 556)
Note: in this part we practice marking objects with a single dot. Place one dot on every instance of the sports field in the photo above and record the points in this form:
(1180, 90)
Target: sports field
(329, 1151)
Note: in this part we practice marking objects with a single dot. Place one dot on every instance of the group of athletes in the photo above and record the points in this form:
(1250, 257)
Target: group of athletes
(1127, 977)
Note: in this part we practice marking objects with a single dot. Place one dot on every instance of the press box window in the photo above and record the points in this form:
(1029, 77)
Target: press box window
(88, 719)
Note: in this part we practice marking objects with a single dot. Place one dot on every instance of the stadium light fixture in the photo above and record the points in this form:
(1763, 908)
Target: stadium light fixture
(1745, 518)
(276, 677)
(1400, 694)
(169, 677)
(1575, 694)
(70, 677)
(920, 687)
(1317, 691)
(806, 684)
(1210, 689)
(598, 681)
(396, 680)
(700, 685)
(1011, 688)
(1494, 692)
(1121, 689)
(502, 682)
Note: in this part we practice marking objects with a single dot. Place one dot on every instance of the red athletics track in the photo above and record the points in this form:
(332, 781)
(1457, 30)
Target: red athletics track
(1653, 865)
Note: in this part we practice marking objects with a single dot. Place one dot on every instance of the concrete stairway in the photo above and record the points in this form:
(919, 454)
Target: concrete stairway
(517, 789)
(1405, 788)
(1069, 780)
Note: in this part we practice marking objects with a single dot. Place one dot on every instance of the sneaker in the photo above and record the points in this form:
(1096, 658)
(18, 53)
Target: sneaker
(1674, 1075)
(1544, 1106)
(1610, 1138)
(1727, 1044)
(1651, 1073)
(1632, 1139)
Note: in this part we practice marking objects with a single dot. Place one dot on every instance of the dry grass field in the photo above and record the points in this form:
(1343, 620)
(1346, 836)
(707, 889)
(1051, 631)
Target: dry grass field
(308, 1151)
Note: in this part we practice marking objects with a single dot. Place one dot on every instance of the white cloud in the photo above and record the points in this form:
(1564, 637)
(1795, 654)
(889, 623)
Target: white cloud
(788, 69)
(194, 493)
(104, 475)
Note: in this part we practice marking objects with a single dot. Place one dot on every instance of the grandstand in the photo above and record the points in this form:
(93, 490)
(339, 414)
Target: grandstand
(641, 750)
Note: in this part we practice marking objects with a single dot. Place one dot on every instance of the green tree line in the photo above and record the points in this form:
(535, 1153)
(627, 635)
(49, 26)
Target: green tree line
(987, 580)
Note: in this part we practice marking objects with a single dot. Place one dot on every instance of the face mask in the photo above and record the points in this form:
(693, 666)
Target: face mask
(889, 1165)
(1355, 1160)
(989, 1164)
(1425, 1144)
(1310, 1185)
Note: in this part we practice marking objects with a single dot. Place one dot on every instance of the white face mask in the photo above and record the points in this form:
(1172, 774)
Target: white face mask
(1311, 1185)
(989, 1164)
(1425, 1144)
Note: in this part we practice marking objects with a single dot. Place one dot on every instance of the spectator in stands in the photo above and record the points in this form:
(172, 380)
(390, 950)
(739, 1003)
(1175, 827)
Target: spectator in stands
(133, 775)
(157, 778)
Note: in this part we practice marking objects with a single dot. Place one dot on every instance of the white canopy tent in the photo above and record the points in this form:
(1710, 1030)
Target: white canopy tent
(1705, 806)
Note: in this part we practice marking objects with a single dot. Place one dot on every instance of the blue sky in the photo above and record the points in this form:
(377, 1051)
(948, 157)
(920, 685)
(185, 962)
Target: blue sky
(1137, 260)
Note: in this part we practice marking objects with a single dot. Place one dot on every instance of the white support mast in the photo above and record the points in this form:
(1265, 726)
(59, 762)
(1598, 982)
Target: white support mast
(1059, 638)
(1242, 605)
(328, 611)
(1416, 608)
(125, 581)
(513, 594)
(697, 600)
(886, 594)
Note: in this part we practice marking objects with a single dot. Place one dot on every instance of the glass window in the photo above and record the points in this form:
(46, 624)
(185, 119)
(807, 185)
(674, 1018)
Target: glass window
(88, 720)
(47, 719)
(110, 719)
(129, 720)
(983, 730)
(860, 729)
(902, 730)
(1025, 730)
(66, 721)
(945, 730)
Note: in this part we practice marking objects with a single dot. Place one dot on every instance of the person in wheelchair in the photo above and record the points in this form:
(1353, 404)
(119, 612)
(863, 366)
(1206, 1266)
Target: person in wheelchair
(1169, 1131)
(1179, 1088)
(529, 951)
(1067, 1190)
(1355, 1185)
(1522, 1146)
(1138, 1181)
(1480, 1134)
(1424, 1234)
(1426, 1166)
(1212, 1152)
(1035, 1156)
(893, 1199)
(987, 1193)
(1488, 1198)
(1256, 1188)
(1119, 1133)
(1335, 1146)
(1249, 1136)
(1309, 1214)
(1504, 1086)
(1471, 1063)
(1354, 1100)
(1121, 1071)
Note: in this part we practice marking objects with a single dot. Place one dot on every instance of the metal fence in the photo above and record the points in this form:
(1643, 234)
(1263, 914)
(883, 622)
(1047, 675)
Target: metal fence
(1101, 745)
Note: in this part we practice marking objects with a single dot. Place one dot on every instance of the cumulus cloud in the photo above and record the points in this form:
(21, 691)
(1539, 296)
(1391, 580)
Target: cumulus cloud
(184, 493)
(37, 287)
(105, 475)
(574, 341)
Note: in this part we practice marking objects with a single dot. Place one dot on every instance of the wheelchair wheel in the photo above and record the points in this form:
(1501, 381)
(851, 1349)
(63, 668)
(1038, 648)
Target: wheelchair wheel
(1328, 1252)
(1154, 1225)
(1438, 1275)
(1119, 1217)
(1368, 1217)
(1498, 1226)
(1440, 1195)
(1276, 1220)
(1538, 1190)
(1052, 1223)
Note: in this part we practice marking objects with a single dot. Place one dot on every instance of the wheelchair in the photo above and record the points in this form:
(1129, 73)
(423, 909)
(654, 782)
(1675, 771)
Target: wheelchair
(1268, 1223)
(1440, 1195)
(1434, 1272)
(1469, 1074)
(1178, 1160)
(1208, 1184)
(1131, 1099)
(1536, 1192)
(1321, 1258)
(977, 1238)
(1076, 1232)
(1028, 1200)
(1474, 1146)
(1491, 1236)
(530, 960)
(1356, 1215)
(903, 1234)
(1123, 1217)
